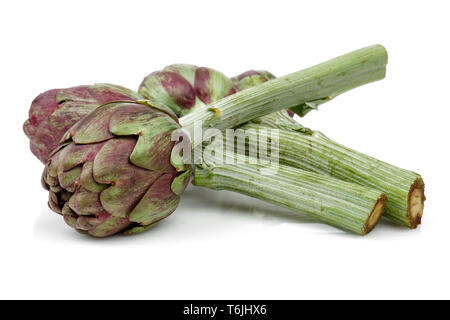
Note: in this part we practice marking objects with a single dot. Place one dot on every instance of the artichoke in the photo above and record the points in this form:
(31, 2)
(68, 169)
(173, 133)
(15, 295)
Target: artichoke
(114, 171)
(184, 87)
(250, 79)
(53, 112)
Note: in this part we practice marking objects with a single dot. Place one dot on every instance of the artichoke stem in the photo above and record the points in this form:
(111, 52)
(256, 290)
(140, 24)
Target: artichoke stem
(327, 79)
(313, 151)
(345, 205)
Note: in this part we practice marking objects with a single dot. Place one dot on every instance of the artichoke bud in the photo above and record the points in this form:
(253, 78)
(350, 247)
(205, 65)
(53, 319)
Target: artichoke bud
(54, 111)
(113, 171)
(250, 79)
(184, 87)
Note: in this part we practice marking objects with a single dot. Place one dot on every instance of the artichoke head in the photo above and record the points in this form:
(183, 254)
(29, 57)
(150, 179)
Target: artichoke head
(114, 171)
(53, 112)
(250, 79)
(184, 87)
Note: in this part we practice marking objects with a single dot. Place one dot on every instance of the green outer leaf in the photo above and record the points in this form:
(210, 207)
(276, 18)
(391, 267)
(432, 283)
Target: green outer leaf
(180, 182)
(187, 71)
(155, 90)
(219, 84)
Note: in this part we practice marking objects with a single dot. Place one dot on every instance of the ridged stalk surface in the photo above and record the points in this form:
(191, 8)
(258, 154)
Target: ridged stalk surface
(344, 205)
(313, 151)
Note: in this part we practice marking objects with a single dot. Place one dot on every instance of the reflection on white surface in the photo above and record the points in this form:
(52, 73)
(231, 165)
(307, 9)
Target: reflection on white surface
(205, 214)
(202, 212)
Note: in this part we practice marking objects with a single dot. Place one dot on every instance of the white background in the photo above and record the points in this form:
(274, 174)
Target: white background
(218, 244)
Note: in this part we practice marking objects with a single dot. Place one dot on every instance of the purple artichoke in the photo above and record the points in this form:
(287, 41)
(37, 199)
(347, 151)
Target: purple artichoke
(184, 87)
(114, 171)
(250, 79)
(53, 112)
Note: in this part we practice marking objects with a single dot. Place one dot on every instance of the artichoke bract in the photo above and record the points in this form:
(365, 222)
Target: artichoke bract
(53, 112)
(113, 171)
(185, 87)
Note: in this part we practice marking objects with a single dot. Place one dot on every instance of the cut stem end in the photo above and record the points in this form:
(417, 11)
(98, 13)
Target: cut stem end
(376, 214)
(416, 199)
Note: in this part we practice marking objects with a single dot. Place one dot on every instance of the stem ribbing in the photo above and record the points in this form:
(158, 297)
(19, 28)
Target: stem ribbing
(313, 151)
(322, 81)
(342, 204)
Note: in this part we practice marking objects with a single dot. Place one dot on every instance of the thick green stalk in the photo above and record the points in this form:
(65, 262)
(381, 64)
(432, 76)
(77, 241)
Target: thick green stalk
(313, 151)
(319, 82)
(345, 205)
